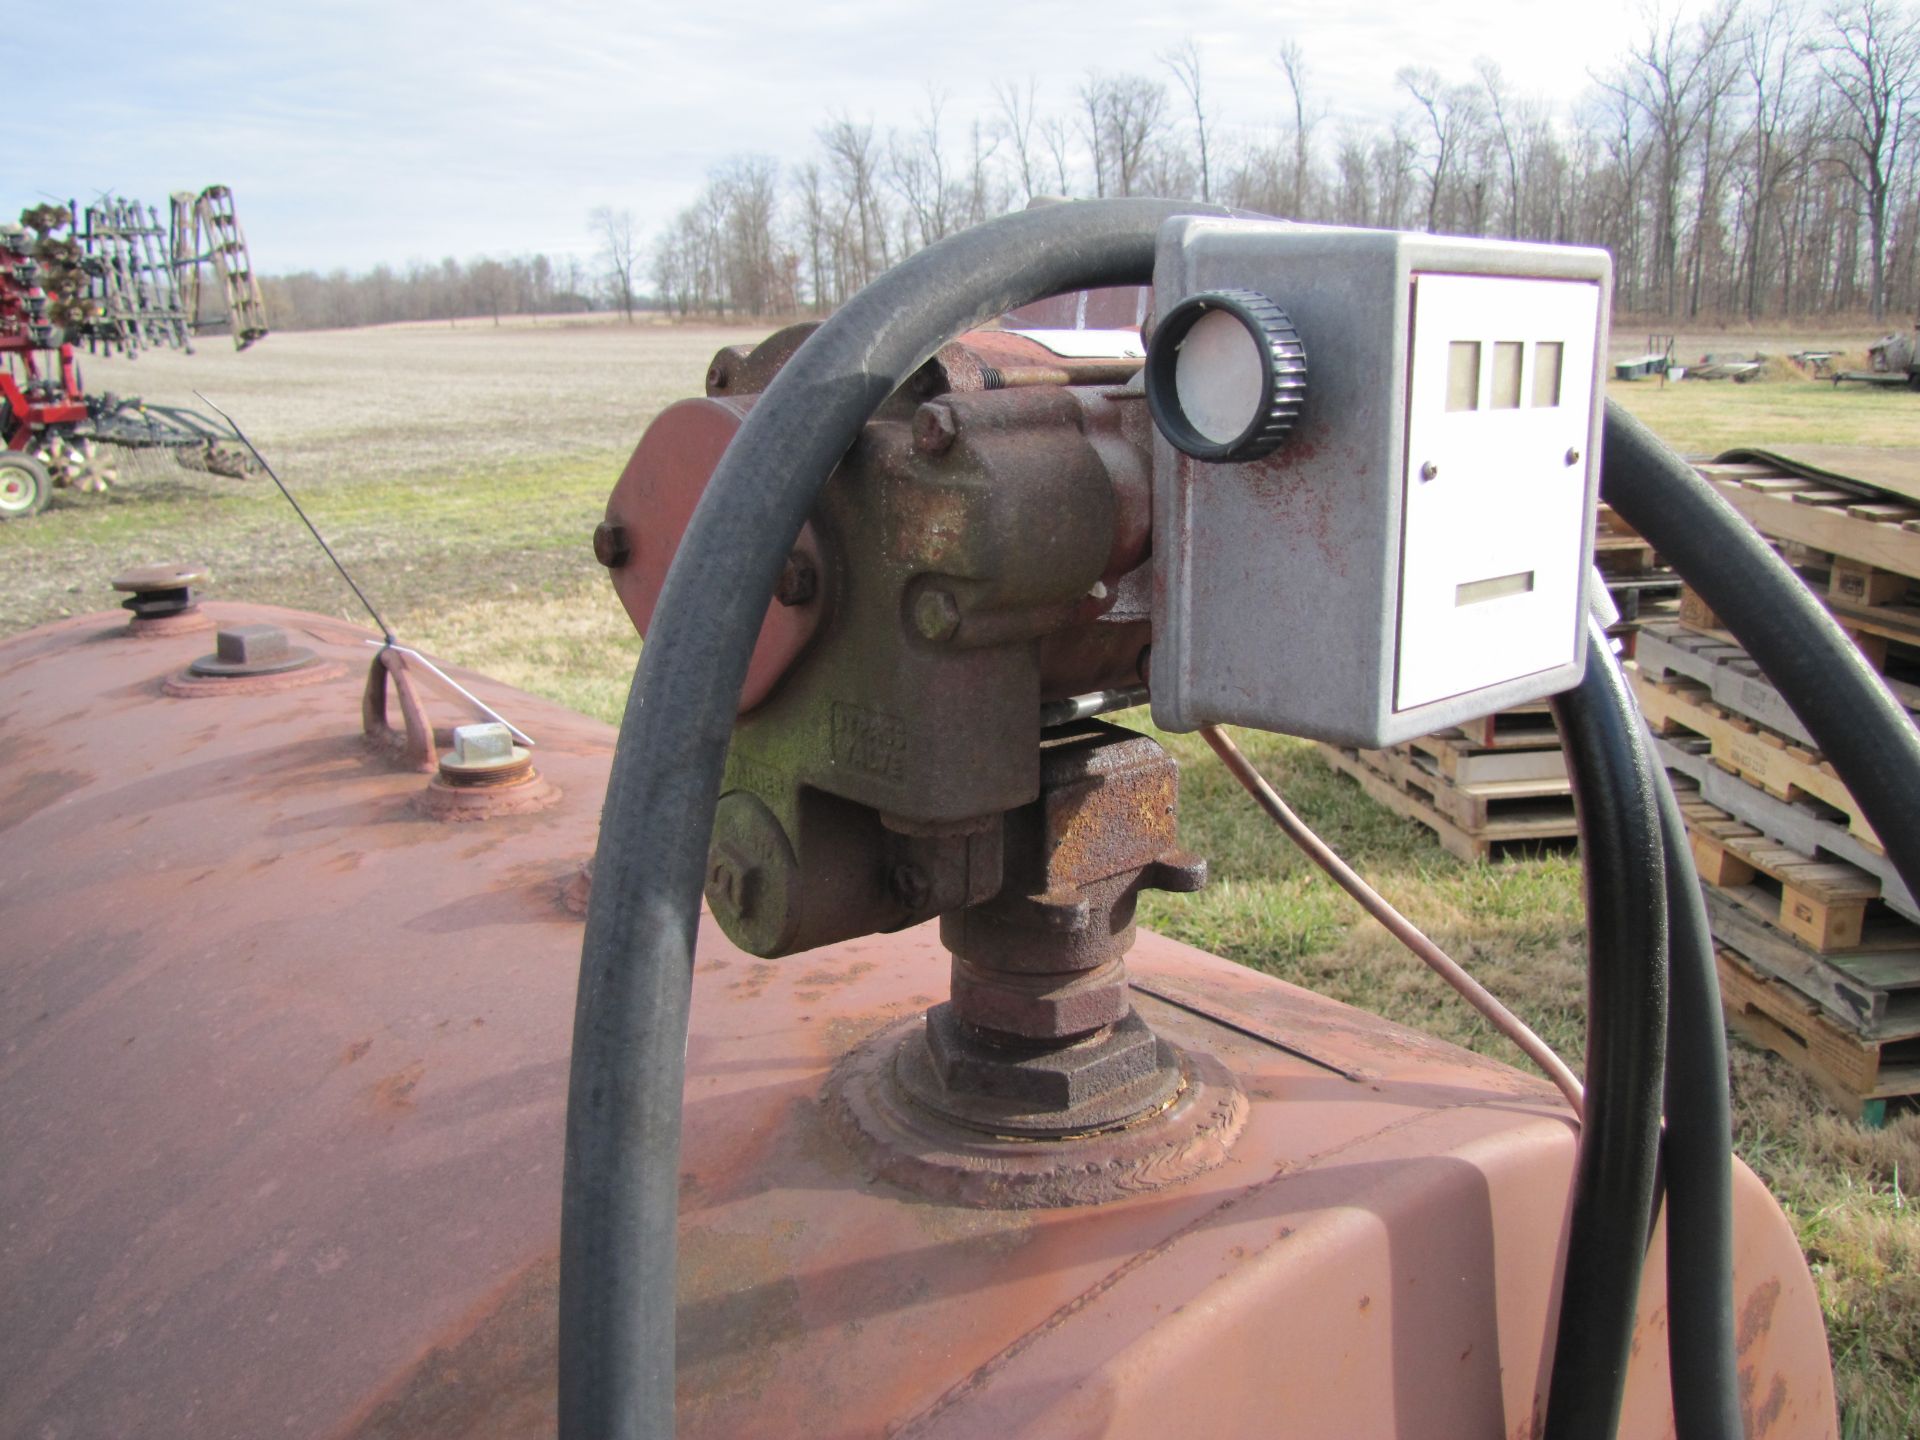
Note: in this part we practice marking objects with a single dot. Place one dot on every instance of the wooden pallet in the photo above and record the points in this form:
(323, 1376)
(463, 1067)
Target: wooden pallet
(1780, 766)
(1471, 806)
(1524, 727)
(1800, 824)
(1889, 636)
(1464, 763)
(1476, 822)
(1860, 1076)
(1823, 904)
(1877, 533)
(1872, 993)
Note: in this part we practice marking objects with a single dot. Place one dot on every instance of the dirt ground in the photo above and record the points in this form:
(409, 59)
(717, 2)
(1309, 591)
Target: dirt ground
(397, 399)
(1629, 336)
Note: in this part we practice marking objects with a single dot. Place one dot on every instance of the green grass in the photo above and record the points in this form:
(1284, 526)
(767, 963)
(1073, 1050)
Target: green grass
(487, 563)
(1705, 417)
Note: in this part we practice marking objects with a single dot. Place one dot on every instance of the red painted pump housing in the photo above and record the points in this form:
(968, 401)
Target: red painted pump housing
(285, 1047)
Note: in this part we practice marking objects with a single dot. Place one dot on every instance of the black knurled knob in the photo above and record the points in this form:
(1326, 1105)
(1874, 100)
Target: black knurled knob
(1281, 381)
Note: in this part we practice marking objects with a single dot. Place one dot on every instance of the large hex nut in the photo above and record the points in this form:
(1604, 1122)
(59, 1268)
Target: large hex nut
(1056, 1078)
(1040, 1007)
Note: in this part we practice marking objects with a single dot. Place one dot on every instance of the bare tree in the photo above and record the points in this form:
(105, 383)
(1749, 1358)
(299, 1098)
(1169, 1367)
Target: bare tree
(1450, 113)
(917, 171)
(1872, 65)
(1493, 85)
(1092, 120)
(1136, 116)
(854, 161)
(1672, 77)
(746, 195)
(1057, 134)
(619, 253)
(1016, 124)
(1292, 61)
(1185, 65)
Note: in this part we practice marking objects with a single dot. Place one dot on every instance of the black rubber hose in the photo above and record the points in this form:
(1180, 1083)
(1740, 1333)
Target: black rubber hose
(1625, 880)
(1845, 706)
(1697, 1158)
(618, 1229)
(1876, 750)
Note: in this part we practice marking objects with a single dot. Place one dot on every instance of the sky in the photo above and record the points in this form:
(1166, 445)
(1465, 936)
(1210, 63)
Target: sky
(355, 132)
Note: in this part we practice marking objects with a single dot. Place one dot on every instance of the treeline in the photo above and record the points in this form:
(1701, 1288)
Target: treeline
(1758, 160)
(450, 290)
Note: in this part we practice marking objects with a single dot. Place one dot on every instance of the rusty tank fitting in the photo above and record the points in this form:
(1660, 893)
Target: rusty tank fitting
(250, 660)
(485, 775)
(161, 600)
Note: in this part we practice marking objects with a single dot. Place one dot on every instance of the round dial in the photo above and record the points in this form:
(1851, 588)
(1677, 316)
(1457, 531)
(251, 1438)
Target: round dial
(1226, 375)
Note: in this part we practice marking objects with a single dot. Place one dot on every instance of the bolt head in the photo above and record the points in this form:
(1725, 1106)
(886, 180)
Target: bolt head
(753, 880)
(799, 581)
(910, 885)
(488, 744)
(610, 545)
(1573, 455)
(934, 428)
(1428, 470)
(936, 615)
(250, 644)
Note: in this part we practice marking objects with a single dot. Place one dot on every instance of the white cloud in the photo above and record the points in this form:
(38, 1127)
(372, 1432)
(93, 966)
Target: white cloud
(354, 131)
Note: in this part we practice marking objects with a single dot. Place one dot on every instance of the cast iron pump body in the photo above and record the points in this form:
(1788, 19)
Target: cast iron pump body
(979, 556)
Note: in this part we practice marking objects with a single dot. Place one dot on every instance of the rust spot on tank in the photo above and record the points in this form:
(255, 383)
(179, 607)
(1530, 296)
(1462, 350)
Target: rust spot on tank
(355, 1051)
(1366, 1303)
(491, 1377)
(827, 976)
(738, 1301)
(36, 790)
(754, 983)
(1760, 1422)
(1756, 1316)
(395, 1092)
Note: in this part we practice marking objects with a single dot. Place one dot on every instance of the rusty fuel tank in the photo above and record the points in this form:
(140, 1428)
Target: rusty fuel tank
(283, 1051)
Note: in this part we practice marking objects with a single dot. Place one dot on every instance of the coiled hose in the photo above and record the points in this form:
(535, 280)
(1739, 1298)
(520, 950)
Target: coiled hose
(1863, 731)
(1625, 878)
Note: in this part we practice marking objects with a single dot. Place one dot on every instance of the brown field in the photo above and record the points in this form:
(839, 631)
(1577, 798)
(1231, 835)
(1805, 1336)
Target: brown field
(460, 471)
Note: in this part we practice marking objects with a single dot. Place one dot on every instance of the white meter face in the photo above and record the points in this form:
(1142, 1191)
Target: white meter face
(1220, 376)
(1499, 406)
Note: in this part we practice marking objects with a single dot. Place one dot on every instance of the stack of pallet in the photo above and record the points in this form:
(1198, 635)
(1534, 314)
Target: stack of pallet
(1818, 939)
(1483, 788)
(1499, 784)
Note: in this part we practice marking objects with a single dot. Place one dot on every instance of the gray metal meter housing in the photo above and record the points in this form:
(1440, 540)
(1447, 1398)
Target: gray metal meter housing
(1414, 553)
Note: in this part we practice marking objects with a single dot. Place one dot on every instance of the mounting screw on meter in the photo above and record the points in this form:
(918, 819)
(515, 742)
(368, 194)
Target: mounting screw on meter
(1225, 377)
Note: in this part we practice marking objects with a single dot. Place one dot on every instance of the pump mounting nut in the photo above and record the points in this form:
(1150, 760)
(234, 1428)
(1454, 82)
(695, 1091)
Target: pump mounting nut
(935, 427)
(936, 615)
(610, 545)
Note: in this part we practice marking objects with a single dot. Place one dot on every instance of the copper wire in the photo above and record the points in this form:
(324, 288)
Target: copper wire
(1401, 928)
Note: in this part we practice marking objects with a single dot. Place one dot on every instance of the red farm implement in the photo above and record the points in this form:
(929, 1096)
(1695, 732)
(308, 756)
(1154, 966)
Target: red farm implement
(112, 279)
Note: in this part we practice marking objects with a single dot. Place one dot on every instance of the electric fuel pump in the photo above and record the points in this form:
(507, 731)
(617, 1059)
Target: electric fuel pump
(892, 570)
